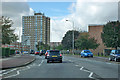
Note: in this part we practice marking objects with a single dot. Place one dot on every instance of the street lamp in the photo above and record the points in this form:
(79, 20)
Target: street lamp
(73, 35)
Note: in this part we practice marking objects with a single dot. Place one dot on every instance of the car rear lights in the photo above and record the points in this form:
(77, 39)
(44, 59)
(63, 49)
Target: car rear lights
(47, 54)
(60, 54)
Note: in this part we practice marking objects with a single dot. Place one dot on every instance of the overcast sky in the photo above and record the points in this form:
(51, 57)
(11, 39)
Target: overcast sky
(81, 12)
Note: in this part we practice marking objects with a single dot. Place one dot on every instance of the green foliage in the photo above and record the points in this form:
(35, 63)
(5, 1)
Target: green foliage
(60, 47)
(6, 52)
(111, 34)
(84, 42)
(8, 35)
(12, 51)
(67, 39)
(42, 46)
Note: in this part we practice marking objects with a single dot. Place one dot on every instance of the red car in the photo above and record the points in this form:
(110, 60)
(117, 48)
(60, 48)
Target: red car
(46, 54)
(37, 52)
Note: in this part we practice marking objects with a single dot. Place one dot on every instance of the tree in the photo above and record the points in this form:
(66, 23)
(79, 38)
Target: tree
(59, 47)
(8, 35)
(111, 34)
(84, 42)
(67, 39)
(42, 46)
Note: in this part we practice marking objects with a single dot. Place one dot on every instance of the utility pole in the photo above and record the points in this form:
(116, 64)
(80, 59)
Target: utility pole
(72, 36)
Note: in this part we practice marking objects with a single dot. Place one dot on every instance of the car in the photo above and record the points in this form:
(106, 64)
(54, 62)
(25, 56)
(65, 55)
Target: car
(25, 52)
(42, 52)
(114, 55)
(54, 55)
(46, 54)
(37, 52)
(86, 53)
(32, 52)
(17, 52)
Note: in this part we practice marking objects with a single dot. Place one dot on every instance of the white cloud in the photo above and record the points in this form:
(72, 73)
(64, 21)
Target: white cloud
(85, 13)
(82, 13)
(15, 10)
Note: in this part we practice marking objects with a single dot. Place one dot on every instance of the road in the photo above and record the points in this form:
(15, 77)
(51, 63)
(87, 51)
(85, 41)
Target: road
(72, 67)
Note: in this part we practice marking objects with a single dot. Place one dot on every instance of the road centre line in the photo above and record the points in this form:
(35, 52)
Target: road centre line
(41, 63)
(91, 73)
(81, 68)
(90, 76)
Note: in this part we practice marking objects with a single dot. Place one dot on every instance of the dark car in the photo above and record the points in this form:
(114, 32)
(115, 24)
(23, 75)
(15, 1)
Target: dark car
(86, 53)
(17, 52)
(114, 55)
(42, 52)
(54, 55)
(32, 52)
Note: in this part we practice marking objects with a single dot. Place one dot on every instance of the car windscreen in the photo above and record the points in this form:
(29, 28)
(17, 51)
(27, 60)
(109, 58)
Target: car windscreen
(54, 52)
(87, 51)
(117, 52)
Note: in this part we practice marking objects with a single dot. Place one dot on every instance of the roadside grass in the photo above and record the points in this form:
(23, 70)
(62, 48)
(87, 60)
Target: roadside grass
(93, 55)
(101, 56)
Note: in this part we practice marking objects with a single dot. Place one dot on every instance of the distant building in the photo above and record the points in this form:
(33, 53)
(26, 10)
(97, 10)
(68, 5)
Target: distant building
(37, 28)
(0, 32)
(95, 31)
(119, 10)
(17, 46)
(54, 44)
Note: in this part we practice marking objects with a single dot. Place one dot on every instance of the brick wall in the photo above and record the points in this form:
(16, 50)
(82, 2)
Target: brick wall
(95, 31)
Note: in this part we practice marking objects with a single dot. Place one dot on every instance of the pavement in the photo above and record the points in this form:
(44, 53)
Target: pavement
(16, 61)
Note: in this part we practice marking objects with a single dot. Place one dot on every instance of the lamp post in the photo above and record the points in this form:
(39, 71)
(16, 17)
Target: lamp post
(72, 35)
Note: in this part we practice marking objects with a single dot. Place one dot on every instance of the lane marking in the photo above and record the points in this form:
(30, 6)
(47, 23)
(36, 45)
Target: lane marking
(91, 73)
(41, 63)
(90, 76)
(108, 63)
(76, 65)
(81, 68)
(10, 71)
(2, 71)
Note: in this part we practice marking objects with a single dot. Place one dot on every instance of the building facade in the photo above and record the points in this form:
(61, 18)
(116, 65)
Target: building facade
(54, 44)
(37, 28)
(95, 31)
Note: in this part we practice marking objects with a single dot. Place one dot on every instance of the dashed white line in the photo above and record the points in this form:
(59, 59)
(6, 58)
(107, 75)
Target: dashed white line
(41, 63)
(91, 73)
(76, 65)
(90, 76)
(81, 68)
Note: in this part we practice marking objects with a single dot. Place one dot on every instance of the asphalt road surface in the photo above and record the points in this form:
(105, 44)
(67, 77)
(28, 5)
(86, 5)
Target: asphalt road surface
(72, 67)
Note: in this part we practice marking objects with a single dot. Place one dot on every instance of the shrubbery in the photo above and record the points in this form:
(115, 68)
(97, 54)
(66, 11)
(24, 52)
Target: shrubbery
(6, 52)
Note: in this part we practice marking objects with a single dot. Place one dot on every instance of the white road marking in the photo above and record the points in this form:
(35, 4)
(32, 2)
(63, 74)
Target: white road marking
(81, 68)
(76, 65)
(108, 63)
(91, 73)
(2, 71)
(18, 72)
(41, 63)
(90, 76)
(10, 71)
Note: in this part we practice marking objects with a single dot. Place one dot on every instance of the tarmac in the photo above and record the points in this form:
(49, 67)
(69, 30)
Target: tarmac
(17, 60)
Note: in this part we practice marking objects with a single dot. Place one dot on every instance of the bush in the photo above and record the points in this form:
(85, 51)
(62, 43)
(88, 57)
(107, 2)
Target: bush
(12, 51)
(7, 52)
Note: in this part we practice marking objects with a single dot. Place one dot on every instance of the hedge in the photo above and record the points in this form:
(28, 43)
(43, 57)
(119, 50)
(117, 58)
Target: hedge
(6, 52)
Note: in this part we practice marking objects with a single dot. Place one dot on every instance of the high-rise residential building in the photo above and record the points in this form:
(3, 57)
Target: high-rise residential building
(36, 28)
